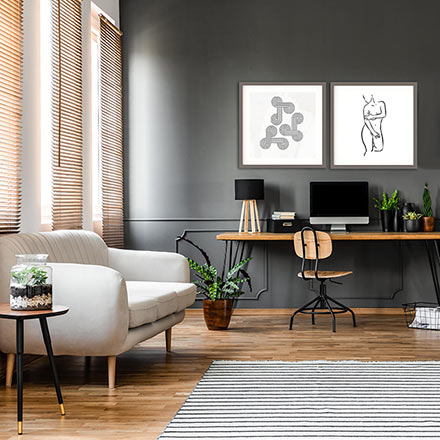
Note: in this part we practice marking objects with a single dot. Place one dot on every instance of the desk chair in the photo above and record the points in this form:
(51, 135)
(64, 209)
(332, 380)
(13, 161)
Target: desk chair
(316, 245)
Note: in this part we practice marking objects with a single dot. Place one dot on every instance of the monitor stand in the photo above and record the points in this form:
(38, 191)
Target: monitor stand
(338, 228)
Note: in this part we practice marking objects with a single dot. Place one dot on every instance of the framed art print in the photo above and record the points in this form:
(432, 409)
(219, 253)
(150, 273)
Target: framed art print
(282, 125)
(374, 125)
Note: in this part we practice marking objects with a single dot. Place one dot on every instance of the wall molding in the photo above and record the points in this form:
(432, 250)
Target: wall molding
(182, 219)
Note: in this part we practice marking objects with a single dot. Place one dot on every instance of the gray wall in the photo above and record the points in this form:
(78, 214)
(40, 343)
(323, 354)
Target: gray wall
(183, 60)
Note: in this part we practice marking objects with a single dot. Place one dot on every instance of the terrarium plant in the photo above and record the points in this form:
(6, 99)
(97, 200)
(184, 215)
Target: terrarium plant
(219, 287)
(428, 219)
(413, 221)
(388, 206)
(31, 283)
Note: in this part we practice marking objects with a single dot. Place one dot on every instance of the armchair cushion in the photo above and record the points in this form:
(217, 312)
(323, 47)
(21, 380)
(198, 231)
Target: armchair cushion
(149, 301)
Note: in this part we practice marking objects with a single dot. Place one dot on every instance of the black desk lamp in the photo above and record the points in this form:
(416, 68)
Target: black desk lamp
(249, 190)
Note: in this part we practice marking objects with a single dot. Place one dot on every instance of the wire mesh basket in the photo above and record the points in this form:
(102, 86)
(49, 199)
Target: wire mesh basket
(422, 315)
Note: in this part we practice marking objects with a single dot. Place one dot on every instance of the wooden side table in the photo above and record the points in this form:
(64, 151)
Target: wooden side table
(20, 317)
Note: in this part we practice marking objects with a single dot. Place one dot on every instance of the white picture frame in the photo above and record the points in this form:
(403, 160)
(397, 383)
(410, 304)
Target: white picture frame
(282, 125)
(374, 125)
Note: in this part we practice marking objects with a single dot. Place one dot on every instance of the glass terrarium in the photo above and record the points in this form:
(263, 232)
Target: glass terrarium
(31, 283)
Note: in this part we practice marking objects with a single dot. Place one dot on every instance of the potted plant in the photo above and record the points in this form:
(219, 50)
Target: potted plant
(387, 207)
(428, 219)
(219, 288)
(413, 221)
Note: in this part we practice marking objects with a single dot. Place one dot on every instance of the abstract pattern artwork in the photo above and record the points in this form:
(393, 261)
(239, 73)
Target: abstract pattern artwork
(374, 125)
(282, 125)
(285, 129)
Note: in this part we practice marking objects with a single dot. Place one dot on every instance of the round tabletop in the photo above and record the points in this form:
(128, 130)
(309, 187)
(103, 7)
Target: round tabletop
(7, 313)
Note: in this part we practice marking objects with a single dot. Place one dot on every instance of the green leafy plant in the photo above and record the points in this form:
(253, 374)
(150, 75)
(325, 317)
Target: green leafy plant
(412, 215)
(30, 276)
(214, 285)
(427, 204)
(387, 203)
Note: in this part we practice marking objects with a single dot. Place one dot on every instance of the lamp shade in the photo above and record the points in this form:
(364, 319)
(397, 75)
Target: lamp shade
(249, 189)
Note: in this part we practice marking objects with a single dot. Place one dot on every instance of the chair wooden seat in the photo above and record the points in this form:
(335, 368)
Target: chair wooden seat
(325, 274)
(314, 246)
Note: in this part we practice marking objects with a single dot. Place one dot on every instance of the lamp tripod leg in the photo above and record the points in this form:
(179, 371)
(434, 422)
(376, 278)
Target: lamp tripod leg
(240, 228)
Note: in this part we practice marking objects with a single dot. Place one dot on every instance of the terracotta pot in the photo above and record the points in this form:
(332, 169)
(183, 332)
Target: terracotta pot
(428, 224)
(217, 313)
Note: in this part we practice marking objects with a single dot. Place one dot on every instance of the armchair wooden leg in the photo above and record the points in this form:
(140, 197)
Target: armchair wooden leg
(111, 363)
(168, 339)
(10, 361)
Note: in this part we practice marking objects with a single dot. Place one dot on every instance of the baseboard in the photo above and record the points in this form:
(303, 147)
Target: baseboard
(357, 310)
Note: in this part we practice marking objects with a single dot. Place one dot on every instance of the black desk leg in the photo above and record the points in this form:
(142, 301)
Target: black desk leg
(48, 343)
(434, 260)
(19, 350)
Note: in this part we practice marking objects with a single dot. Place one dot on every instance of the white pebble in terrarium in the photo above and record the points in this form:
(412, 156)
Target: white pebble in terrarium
(31, 283)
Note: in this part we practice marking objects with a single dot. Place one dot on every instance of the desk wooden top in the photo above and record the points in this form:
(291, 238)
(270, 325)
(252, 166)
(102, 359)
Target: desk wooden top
(337, 236)
(7, 313)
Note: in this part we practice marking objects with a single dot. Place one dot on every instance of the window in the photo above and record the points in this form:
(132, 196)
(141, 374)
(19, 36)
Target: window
(61, 112)
(107, 129)
(11, 40)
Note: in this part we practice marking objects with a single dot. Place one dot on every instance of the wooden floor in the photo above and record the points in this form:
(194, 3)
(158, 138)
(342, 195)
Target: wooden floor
(152, 385)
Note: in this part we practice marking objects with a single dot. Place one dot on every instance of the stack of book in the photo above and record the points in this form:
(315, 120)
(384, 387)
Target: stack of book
(283, 215)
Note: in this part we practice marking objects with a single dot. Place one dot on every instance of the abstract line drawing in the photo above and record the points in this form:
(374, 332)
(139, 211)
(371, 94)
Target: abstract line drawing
(286, 130)
(280, 105)
(270, 139)
(374, 113)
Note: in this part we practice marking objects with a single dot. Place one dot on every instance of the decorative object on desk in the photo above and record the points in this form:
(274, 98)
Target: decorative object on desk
(218, 288)
(387, 206)
(283, 226)
(413, 221)
(249, 190)
(282, 125)
(374, 125)
(283, 215)
(31, 283)
(407, 207)
(397, 220)
(428, 219)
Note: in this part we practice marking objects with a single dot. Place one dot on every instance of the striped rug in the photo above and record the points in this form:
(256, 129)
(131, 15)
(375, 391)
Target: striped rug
(312, 400)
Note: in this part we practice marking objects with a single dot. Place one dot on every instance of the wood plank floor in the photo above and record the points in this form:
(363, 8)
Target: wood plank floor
(152, 385)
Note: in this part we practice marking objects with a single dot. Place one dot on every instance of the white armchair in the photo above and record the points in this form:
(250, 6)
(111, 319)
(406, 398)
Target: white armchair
(117, 298)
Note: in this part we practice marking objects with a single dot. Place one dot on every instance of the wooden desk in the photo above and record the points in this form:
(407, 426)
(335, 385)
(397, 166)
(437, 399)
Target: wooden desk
(336, 236)
(430, 239)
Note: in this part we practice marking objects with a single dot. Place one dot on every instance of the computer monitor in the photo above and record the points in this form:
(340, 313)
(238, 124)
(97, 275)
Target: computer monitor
(339, 204)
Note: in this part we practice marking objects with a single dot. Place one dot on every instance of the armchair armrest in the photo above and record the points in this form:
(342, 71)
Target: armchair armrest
(97, 322)
(149, 265)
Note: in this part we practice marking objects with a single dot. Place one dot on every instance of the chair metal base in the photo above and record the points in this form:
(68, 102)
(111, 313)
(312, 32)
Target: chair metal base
(321, 306)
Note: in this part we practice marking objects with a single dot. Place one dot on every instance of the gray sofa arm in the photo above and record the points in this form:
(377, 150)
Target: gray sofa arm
(149, 265)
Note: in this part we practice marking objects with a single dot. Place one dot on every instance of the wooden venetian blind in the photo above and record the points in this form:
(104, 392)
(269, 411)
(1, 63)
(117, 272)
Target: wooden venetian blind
(67, 153)
(11, 36)
(110, 67)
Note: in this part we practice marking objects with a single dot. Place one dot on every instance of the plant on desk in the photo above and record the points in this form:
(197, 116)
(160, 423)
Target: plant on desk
(412, 221)
(428, 219)
(219, 288)
(388, 207)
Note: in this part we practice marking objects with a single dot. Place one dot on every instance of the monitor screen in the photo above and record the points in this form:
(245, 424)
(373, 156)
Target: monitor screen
(339, 199)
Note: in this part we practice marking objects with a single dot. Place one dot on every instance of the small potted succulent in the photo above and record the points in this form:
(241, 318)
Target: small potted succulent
(219, 288)
(413, 221)
(428, 219)
(387, 206)
(31, 283)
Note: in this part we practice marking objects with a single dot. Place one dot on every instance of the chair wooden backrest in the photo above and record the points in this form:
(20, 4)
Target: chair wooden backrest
(312, 245)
